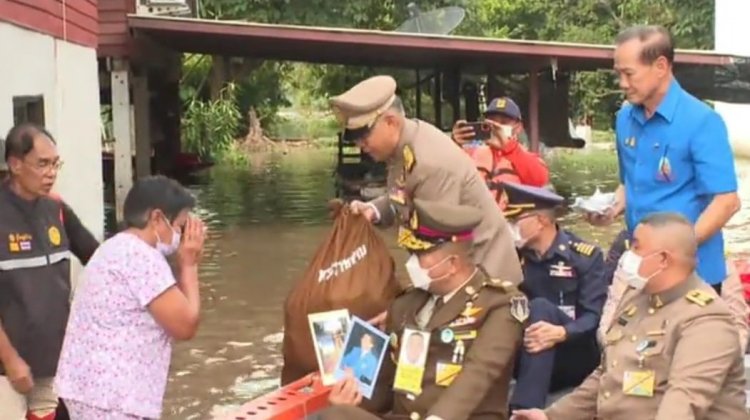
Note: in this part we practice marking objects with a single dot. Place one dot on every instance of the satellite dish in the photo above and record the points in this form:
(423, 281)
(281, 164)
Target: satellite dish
(439, 21)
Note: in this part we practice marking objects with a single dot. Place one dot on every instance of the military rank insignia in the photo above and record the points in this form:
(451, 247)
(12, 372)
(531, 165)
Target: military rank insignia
(398, 196)
(519, 308)
(414, 221)
(409, 159)
(584, 249)
(699, 297)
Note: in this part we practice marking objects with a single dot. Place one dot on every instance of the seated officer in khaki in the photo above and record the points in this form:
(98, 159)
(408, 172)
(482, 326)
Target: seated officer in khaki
(672, 353)
(424, 163)
(473, 321)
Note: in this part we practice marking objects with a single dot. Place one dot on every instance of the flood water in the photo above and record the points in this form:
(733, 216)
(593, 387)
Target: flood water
(265, 222)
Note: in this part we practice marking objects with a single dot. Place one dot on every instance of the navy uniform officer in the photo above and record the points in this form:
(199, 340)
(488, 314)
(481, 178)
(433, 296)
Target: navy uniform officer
(471, 325)
(565, 281)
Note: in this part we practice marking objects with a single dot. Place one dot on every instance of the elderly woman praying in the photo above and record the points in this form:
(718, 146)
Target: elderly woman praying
(128, 307)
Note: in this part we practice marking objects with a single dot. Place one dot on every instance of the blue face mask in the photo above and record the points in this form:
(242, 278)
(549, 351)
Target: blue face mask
(170, 248)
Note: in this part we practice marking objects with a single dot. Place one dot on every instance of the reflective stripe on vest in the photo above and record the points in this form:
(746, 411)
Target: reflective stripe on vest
(34, 262)
(494, 171)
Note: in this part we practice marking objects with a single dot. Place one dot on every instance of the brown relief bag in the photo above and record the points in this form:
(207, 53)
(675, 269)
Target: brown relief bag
(352, 269)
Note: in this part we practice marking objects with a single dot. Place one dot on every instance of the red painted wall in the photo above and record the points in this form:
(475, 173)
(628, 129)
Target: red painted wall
(76, 21)
(114, 38)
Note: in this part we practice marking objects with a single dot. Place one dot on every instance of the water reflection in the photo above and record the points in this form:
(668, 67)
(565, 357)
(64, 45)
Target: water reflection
(265, 222)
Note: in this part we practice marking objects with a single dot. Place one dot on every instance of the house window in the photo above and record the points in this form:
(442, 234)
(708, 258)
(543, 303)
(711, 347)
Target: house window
(28, 109)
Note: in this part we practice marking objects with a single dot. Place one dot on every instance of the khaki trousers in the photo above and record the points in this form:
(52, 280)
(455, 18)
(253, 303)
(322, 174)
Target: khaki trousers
(41, 401)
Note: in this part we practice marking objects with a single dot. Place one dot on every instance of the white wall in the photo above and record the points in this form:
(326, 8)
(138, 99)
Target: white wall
(67, 75)
(732, 33)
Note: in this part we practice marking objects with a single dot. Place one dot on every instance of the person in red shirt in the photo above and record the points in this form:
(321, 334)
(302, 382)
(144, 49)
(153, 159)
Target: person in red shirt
(502, 158)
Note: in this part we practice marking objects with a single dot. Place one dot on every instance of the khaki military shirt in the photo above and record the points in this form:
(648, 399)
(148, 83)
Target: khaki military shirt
(669, 356)
(428, 165)
(484, 318)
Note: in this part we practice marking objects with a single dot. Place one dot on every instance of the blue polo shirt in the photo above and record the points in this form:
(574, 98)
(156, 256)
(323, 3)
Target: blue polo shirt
(677, 160)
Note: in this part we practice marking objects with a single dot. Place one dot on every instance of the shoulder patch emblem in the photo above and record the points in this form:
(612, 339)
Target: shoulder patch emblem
(519, 308)
(409, 159)
(699, 297)
(584, 249)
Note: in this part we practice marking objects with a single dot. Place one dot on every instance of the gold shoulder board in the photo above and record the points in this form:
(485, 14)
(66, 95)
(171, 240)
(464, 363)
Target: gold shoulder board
(699, 297)
(409, 159)
(584, 249)
(504, 285)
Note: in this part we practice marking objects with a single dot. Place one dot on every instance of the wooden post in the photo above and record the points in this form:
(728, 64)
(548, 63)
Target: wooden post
(437, 98)
(454, 86)
(419, 94)
(534, 109)
(122, 131)
(493, 89)
(142, 111)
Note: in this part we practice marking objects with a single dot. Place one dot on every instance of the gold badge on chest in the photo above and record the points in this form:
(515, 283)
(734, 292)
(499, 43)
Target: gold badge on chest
(54, 236)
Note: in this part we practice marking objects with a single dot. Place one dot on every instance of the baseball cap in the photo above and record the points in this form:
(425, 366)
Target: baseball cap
(504, 106)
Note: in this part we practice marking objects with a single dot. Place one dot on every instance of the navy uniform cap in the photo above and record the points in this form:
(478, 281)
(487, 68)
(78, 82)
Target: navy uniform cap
(504, 106)
(525, 198)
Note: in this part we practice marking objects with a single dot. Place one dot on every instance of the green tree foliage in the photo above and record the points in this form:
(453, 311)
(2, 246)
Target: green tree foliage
(268, 86)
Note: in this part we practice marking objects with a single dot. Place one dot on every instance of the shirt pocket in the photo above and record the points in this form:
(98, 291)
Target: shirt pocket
(657, 358)
(670, 163)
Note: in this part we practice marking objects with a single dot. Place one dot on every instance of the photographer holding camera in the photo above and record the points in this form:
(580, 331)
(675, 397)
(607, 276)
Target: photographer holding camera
(500, 157)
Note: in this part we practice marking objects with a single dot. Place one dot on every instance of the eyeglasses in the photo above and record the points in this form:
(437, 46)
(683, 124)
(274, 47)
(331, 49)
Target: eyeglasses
(46, 166)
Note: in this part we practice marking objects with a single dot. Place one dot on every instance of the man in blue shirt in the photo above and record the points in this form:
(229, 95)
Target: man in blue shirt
(361, 360)
(673, 149)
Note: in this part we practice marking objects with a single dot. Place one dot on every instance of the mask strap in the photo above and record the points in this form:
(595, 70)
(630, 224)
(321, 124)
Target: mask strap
(438, 263)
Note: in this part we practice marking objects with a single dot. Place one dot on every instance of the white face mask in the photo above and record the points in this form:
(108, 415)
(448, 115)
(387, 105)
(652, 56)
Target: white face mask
(518, 240)
(420, 277)
(629, 265)
(170, 248)
(507, 130)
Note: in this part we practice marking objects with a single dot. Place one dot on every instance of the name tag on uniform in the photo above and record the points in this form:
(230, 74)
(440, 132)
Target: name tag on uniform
(568, 310)
(411, 361)
(445, 373)
(639, 383)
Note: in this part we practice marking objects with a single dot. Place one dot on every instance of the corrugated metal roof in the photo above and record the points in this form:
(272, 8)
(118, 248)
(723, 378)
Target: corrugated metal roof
(380, 48)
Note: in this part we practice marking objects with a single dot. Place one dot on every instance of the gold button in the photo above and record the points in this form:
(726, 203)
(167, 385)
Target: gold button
(614, 363)
(633, 338)
(470, 290)
(651, 311)
(414, 416)
(606, 394)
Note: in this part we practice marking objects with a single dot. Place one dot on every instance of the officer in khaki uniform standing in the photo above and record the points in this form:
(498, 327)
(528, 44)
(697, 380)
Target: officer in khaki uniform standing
(470, 323)
(423, 163)
(672, 352)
